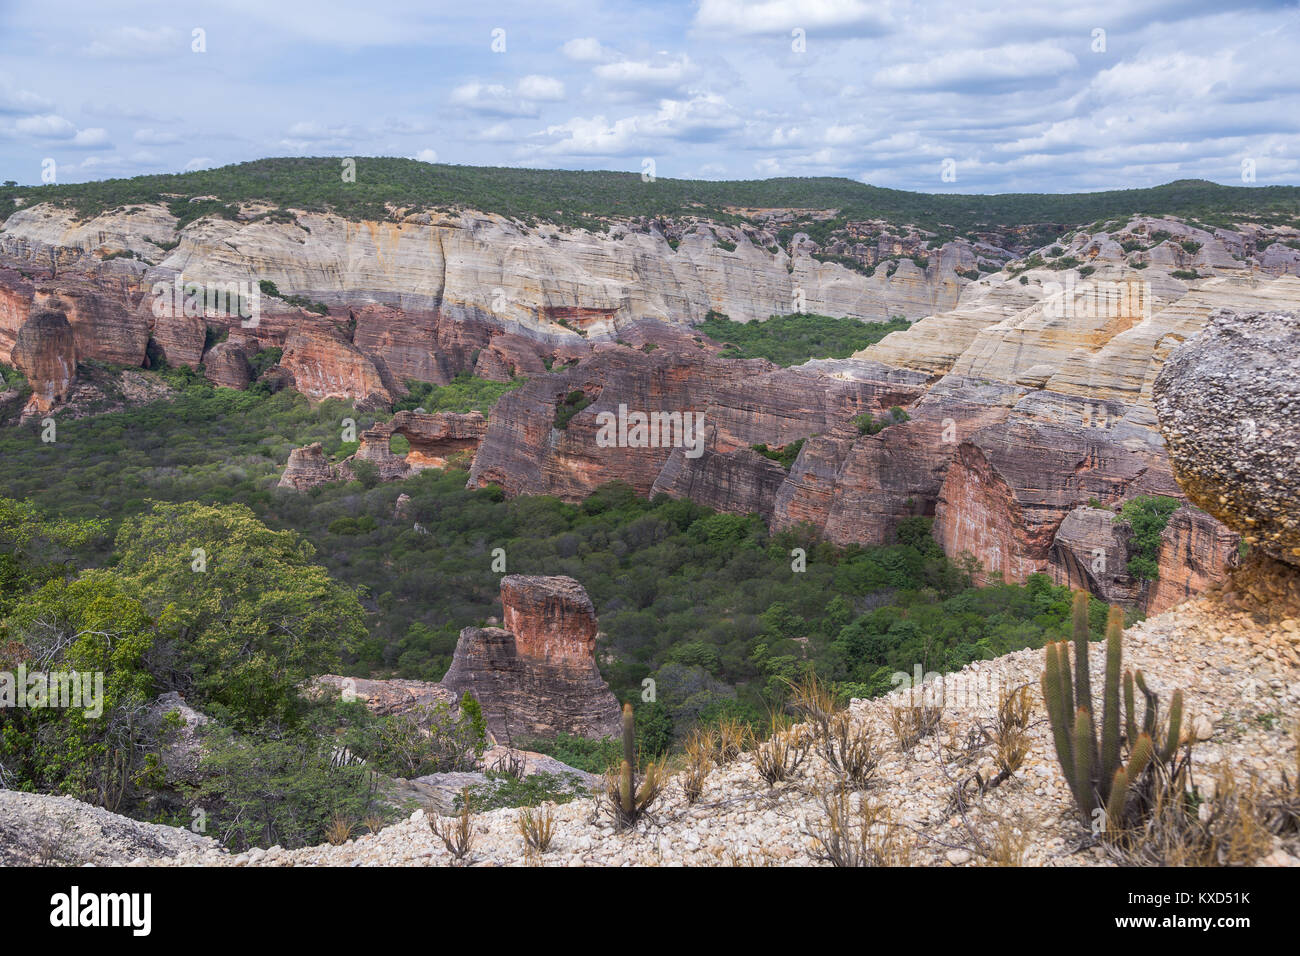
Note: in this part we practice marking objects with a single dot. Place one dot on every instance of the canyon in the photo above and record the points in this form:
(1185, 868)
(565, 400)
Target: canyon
(1027, 391)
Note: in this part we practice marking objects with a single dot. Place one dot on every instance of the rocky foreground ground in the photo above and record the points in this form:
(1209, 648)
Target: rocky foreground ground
(1241, 678)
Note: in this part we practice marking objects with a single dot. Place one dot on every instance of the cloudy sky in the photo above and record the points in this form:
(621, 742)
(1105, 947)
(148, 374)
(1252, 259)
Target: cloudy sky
(1034, 97)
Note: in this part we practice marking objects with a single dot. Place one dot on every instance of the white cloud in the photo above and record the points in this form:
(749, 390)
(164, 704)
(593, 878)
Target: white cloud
(46, 126)
(754, 17)
(426, 156)
(537, 87)
(199, 162)
(91, 137)
(664, 75)
(586, 50)
(969, 70)
(492, 99)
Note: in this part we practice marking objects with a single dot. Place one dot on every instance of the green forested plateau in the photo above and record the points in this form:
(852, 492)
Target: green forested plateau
(575, 197)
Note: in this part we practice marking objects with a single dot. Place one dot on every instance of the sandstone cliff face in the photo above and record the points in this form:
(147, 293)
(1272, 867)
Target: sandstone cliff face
(525, 453)
(324, 365)
(45, 350)
(226, 363)
(537, 676)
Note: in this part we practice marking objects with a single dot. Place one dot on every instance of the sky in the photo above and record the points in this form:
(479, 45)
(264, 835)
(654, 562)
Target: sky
(929, 96)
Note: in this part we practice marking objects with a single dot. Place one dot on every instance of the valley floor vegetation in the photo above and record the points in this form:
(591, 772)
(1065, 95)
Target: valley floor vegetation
(152, 544)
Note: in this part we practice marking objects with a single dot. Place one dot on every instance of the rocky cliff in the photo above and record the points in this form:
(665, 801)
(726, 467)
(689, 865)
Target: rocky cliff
(1029, 401)
(537, 676)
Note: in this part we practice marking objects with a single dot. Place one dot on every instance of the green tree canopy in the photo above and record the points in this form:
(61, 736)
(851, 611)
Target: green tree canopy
(243, 612)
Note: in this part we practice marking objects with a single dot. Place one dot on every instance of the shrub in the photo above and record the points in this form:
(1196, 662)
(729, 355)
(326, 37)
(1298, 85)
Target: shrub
(1147, 516)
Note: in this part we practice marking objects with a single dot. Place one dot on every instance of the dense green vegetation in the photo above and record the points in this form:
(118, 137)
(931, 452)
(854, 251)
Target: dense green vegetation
(464, 393)
(155, 544)
(686, 596)
(796, 338)
(1147, 516)
(869, 425)
(582, 198)
(785, 456)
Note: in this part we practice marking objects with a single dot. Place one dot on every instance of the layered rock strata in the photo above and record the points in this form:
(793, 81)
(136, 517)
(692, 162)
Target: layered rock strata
(537, 676)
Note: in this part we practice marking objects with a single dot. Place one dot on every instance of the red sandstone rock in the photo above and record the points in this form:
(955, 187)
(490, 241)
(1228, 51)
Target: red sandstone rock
(226, 364)
(538, 676)
(307, 468)
(105, 317)
(323, 365)
(1196, 552)
(180, 338)
(45, 350)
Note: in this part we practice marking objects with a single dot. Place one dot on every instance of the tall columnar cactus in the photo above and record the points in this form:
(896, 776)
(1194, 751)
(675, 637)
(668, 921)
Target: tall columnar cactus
(627, 792)
(1093, 769)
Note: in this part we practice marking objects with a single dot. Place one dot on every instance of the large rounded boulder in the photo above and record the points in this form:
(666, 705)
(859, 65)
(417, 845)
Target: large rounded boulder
(1229, 407)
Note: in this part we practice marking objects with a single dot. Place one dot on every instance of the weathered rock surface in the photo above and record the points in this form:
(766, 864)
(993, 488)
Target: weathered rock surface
(324, 365)
(41, 830)
(307, 468)
(384, 698)
(1229, 406)
(538, 675)
(45, 350)
(525, 453)
(226, 363)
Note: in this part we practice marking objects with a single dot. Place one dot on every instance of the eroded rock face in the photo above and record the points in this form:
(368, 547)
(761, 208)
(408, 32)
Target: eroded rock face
(226, 363)
(307, 468)
(525, 453)
(385, 697)
(1229, 407)
(45, 350)
(538, 675)
(324, 365)
(1196, 551)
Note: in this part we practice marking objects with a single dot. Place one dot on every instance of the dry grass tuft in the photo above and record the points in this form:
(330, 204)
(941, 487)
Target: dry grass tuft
(779, 757)
(699, 761)
(1182, 827)
(912, 723)
(340, 830)
(456, 833)
(537, 827)
(847, 747)
(866, 836)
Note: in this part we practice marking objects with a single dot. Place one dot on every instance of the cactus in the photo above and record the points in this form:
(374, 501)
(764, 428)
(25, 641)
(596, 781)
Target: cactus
(627, 799)
(626, 788)
(1093, 768)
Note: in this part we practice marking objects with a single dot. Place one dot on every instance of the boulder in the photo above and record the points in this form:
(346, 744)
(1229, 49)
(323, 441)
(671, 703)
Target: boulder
(226, 364)
(1229, 408)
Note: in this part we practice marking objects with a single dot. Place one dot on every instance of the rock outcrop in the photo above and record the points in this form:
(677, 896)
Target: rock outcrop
(434, 439)
(45, 350)
(537, 676)
(384, 698)
(307, 468)
(325, 365)
(1229, 406)
(226, 364)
